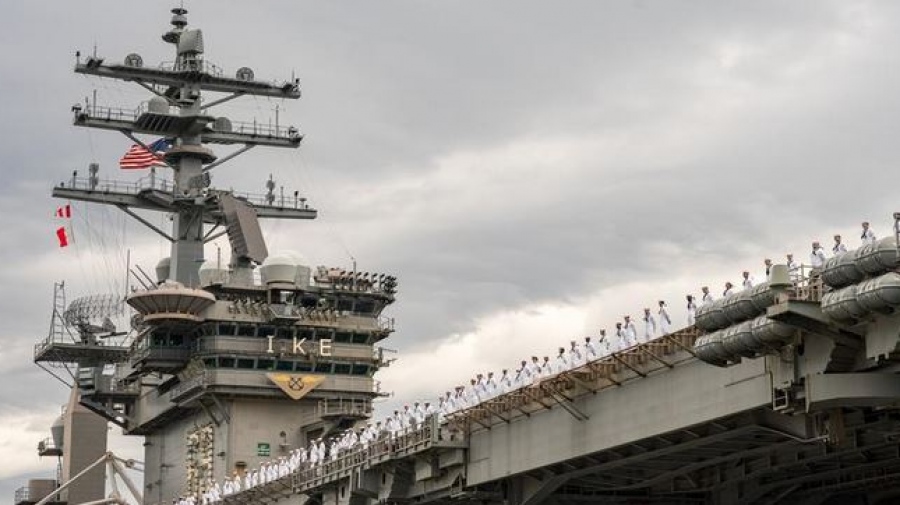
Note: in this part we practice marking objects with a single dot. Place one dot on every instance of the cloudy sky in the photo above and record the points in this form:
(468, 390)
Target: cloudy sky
(531, 171)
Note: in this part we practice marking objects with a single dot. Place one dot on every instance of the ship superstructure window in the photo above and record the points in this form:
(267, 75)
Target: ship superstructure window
(364, 307)
(227, 329)
(246, 330)
(265, 364)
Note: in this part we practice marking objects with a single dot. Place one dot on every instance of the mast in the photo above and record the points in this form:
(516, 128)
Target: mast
(178, 112)
(222, 370)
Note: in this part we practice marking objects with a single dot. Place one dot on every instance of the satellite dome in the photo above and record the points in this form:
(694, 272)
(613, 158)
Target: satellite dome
(212, 272)
(158, 105)
(163, 268)
(284, 258)
(57, 430)
(282, 267)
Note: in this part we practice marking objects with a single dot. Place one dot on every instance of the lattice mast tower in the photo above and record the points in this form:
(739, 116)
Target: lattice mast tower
(180, 86)
(224, 372)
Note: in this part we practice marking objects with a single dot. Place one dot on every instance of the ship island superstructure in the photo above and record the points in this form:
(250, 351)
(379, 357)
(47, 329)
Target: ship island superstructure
(229, 364)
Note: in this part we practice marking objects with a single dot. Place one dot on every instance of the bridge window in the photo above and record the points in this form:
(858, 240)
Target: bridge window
(285, 366)
(246, 364)
(342, 368)
(360, 370)
(247, 330)
(210, 362)
(360, 338)
(364, 307)
(284, 332)
(266, 364)
(343, 336)
(227, 330)
(265, 331)
(226, 362)
(323, 368)
(344, 305)
(322, 333)
(304, 366)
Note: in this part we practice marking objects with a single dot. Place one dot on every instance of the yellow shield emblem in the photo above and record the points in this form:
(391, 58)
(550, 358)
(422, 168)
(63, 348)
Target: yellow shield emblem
(295, 385)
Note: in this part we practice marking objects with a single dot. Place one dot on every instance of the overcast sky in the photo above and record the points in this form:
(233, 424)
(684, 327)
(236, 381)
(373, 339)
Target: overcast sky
(530, 171)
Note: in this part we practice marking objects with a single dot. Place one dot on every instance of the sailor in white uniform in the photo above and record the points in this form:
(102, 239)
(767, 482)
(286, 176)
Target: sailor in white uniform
(817, 256)
(793, 267)
(729, 289)
(604, 347)
(768, 264)
(746, 281)
(546, 367)
(535, 369)
(691, 309)
(576, 358)
(622, 337)
(868, 236)
(562, 364)
(473, 396)
(505, 385)
(649, 325)
(590, 350)
(630, 330)
(490, 386)
(665, 322)
(707, 297)
(523, 375)
(838, 247)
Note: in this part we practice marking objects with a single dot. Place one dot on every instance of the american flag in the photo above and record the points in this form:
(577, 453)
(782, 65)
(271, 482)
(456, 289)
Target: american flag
(138, 157)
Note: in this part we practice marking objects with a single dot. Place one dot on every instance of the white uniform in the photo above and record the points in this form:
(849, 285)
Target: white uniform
(546, 368)
(649, 327)
(728, 292)
(622, 338)
(590, 351)
(576, 359)
(562, 364)
(839, 248)
(868, 236)
(707, 299)
(631, 332)
(506, 384)
(748, 282)
(794, 270)
(817, 257)
(523, 376)
(534, 370)
(605, 346)
(691, 313)
(490, 387)
(665, 322)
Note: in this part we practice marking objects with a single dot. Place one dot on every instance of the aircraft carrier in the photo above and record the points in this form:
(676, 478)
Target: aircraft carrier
(783, 393)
